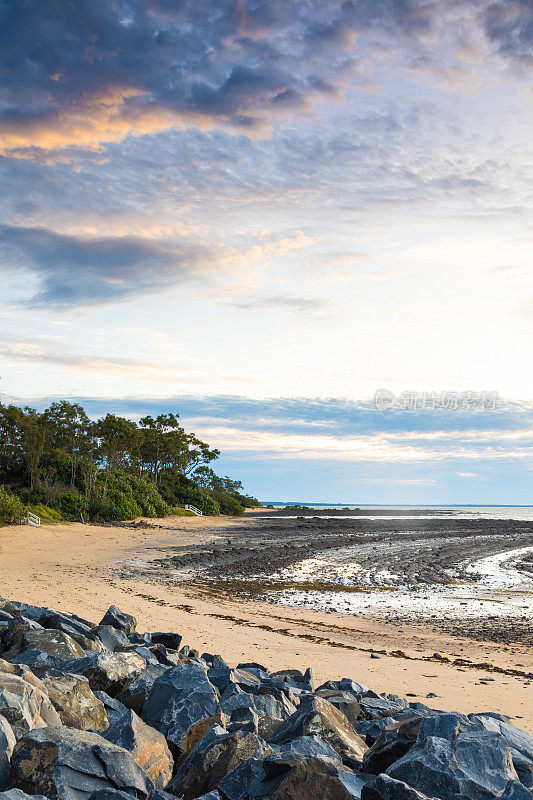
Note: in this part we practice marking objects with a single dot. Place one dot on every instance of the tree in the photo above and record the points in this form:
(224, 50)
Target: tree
(68, 427)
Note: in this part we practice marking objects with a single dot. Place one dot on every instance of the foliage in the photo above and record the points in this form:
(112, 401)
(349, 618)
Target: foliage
(11, 509)
(111, 468)
(229, 504)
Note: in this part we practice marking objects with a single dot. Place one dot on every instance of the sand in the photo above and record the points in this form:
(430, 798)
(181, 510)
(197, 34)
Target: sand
(80, 568)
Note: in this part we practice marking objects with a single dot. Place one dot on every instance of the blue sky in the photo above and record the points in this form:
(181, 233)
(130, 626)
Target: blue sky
(259, 213)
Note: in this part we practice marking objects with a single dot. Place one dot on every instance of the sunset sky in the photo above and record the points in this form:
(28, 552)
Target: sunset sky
(258, 213)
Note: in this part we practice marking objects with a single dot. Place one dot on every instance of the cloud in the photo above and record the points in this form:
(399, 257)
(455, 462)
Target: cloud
(281, 303)
(103, 71)
(76, 270)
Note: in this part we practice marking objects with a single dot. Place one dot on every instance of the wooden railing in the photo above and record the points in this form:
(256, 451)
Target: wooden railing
(194, 510)
(33, 519)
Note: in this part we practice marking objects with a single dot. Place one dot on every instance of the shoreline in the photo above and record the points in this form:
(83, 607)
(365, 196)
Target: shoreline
(80, 568)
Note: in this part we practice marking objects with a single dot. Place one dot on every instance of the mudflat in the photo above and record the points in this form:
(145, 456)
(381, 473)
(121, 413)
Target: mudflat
(214, 580)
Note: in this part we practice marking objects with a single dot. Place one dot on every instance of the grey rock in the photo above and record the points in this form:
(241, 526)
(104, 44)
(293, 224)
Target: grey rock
(112, 638)
(216, 754)
(24, 705)
(114, 709)
(179, 699)
(147, 746)
(386, 788)
(391, 745)
(17, 794)
(119, 619)
(235, 785)
(170, 640)
(377, 707)
(299, 778)
(318, 717)
(79, 629)
(71, 765)
(75, 702)
(108, 672)
(309, 746)
(134, 696)
(7, 743)
(472, 763)
(520, 743)
(270, 711)
(345, 685)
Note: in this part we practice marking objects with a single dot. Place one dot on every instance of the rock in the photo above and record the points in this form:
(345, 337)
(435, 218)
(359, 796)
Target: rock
(222, 677)
(179, 699)
(243, 719)
(347, 702)
(54, 642)
(295, 678)
(25, 706)
(520, 744)
(79, 629)
(134, 696)
(345, 685)
(371, 729)
(147, 746)
(391, 745)
(271, 712)
(12, 637)
(515, 791)
(108, 672)
(299, 778)
(110, 794)
(216, 754)
(112, 638)
(377, 707)
(386, 788)
(172, 641)
(113, 708)
(317, 717)
(120, 620)
(17, 794)
(249, 665)
(234, 786)
(309, 747)
(75, 702)
(471, 763)
(7, 743)
(70, 765)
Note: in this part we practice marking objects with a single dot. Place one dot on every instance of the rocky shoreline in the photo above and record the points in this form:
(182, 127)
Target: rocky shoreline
(405, 559)
(104, 712)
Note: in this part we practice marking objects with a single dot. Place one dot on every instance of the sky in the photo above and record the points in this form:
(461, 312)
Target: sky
(259, 213)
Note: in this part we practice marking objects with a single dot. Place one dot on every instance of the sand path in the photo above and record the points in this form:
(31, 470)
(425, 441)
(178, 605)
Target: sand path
(79, 568)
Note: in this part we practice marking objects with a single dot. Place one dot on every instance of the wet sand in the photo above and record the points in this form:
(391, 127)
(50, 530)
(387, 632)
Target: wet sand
(85, 568)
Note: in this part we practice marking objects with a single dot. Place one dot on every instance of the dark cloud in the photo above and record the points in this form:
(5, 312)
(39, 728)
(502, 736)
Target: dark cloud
(96, 70)
(84, 271)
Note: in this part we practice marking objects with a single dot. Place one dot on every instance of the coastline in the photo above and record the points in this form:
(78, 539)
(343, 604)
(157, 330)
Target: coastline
(81, 568)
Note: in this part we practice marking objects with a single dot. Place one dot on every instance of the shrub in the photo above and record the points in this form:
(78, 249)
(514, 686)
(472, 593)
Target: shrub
(196, 497)
(126, 497)
(11, 508)
(229, 505)
(73, 505)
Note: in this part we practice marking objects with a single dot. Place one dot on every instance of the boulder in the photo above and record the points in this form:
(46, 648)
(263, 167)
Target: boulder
(515, 791)
(222, 677)
(520, 744)
(317, 717)
(119, 619)
(134, 696)
(386, 788)
(7, 743)
(17, 794)
(180, 699)
(108, 672)
(234, 785)
(75, 702)
(392, 744)
(78, 628)
(216, 754)
(271, 712)
(112, 638)
(380, 706)
(347, 702)
(171, 641)
(345, 685)
(53, 642)
(299, 778)
(470, 763)
(113, 708)
(295, 678)
(25, 706)
(309, 747)
(147, 746)
(70, 765)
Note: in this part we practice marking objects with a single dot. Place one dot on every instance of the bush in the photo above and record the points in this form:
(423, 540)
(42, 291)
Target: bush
(196, 497)
(229, 505)
(127, 496)
(45, 513)
(11, 508)
(73, 505)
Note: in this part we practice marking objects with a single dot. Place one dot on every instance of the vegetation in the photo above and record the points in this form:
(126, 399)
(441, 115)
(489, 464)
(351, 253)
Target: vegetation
(63, 464)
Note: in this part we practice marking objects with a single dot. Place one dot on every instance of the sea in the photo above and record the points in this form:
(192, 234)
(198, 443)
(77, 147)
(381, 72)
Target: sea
(431, 511)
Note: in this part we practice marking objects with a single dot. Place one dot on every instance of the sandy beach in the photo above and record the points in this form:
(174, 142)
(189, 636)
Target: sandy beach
(85, 568)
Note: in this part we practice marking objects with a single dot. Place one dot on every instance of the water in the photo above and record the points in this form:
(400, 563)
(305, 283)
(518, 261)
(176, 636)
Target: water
(433, 512)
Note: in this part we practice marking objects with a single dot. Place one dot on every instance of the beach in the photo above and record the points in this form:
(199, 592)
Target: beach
(86, 568)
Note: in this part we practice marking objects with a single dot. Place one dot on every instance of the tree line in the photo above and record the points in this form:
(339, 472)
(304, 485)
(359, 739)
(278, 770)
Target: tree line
(109, 468)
